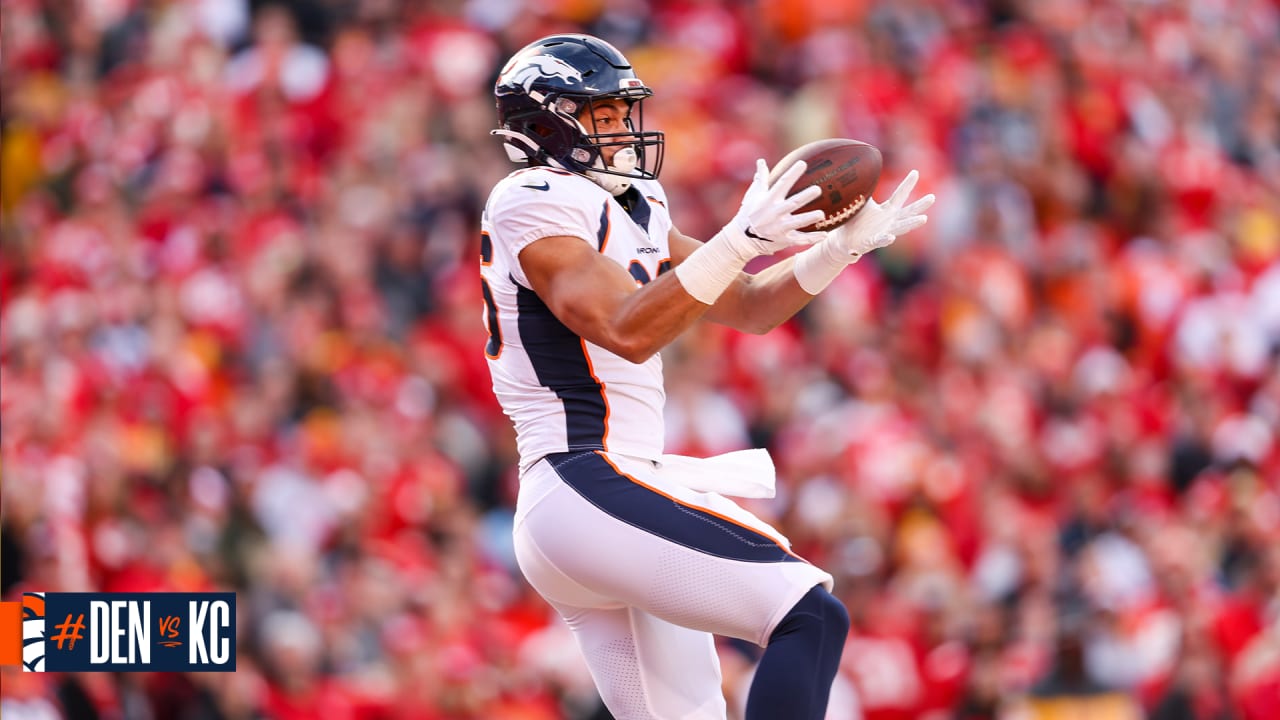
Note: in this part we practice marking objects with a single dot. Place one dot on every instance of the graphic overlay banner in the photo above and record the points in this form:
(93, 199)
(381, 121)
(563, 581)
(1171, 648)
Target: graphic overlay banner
(10, 621)
(120, 632)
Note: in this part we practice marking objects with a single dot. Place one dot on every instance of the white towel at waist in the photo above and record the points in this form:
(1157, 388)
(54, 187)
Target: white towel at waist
(741, 473)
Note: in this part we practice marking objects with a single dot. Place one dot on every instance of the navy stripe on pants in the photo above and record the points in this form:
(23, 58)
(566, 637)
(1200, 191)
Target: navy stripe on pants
(600, 483)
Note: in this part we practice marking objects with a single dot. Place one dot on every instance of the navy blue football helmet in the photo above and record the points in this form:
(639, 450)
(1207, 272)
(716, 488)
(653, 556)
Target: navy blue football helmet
(543, 89)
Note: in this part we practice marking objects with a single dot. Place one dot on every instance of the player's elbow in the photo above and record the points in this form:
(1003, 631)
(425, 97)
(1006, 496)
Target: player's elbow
(632, 345)
(635, 347)
(636, 351)
(639, 358)
(752, 324)
(758, 327)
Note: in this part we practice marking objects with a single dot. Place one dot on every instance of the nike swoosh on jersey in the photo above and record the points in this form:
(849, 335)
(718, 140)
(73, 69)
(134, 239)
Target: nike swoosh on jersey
(544, 186)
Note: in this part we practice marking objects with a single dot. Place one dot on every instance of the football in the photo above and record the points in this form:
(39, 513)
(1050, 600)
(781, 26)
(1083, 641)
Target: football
(846, 170)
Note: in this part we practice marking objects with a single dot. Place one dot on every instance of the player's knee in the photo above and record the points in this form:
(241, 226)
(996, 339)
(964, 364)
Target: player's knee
(835, 617)
(839, 615)
(818, 610)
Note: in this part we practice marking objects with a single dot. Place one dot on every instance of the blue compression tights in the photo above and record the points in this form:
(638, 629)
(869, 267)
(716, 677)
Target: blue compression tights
(794, 677)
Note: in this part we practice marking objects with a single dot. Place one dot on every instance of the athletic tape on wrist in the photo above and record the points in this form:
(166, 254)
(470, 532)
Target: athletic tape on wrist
(818, 266)
(711, 269)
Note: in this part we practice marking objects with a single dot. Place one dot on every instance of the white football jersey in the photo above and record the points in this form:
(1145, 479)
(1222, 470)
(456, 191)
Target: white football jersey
(562, 392)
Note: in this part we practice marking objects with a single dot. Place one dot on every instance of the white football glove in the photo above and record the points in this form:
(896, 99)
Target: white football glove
(766, 222)
(877, 226)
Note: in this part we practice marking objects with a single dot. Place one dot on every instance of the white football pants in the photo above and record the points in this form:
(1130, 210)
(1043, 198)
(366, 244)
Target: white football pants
(645, 570)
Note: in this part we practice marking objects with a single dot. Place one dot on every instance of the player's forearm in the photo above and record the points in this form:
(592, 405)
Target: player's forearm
(649, 319)
(761, 302)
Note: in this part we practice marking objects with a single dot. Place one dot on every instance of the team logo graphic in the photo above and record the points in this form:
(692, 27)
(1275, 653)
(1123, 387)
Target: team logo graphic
(120, 632)
(535, 68)
(33, 632)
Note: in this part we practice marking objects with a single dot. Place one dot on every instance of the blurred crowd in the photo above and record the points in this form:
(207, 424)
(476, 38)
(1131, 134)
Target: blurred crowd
(1035, 441)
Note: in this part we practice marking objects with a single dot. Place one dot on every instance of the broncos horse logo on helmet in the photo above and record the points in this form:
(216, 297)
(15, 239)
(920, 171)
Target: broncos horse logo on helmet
(538, 67)
(543, 88)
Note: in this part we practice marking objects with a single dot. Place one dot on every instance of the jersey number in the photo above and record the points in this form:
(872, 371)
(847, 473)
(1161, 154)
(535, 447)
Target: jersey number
(492, 348)
(642, 275)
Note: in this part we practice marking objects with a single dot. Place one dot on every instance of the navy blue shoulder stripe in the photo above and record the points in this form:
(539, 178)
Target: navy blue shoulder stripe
(602, 238)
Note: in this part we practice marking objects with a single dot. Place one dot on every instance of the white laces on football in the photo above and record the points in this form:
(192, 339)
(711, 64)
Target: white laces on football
(879, 225)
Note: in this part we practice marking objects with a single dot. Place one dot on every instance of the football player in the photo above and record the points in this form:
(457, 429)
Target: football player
(584, 280)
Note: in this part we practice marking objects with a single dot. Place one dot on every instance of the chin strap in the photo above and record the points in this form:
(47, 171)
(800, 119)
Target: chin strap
(624, 161)
(520, 148)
